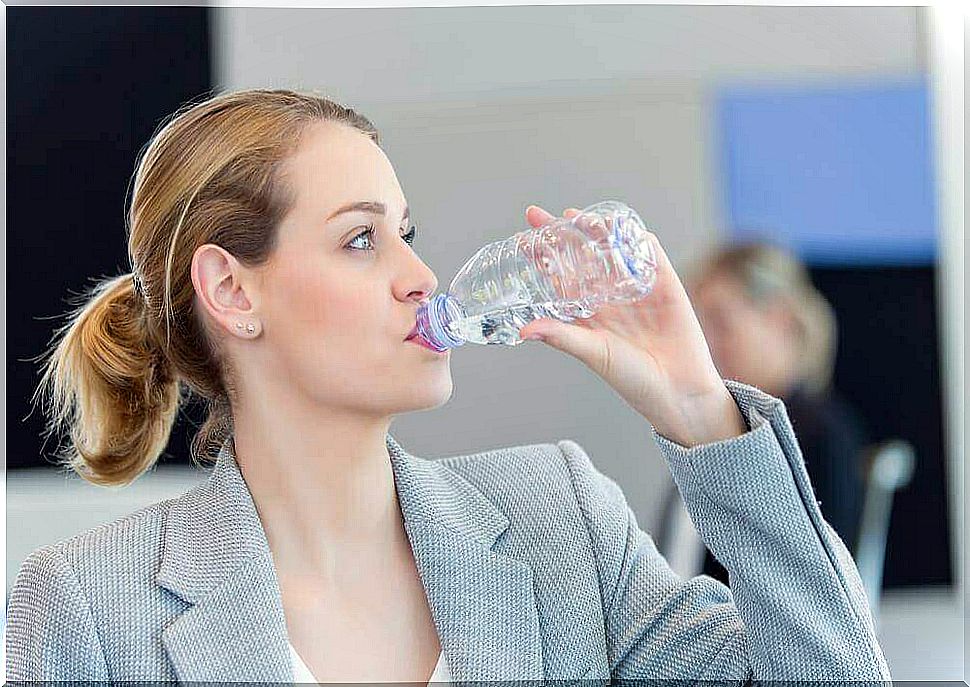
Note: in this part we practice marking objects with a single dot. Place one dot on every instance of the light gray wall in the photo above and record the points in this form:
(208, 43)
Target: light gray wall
(484, 110)
(423, 54)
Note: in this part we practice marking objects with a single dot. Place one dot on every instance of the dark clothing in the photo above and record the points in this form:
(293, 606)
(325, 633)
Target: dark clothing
(832, 437)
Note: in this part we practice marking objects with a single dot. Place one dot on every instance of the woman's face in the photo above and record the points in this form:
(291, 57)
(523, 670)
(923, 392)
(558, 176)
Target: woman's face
(336, 303)
(748, 343)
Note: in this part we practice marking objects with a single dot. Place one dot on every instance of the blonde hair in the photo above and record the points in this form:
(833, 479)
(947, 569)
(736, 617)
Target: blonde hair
(137, 348)
(769, 274)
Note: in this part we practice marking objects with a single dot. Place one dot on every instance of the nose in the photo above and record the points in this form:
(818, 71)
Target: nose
(419, 283)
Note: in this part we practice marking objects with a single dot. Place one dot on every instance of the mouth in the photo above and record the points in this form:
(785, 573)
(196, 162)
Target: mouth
(415, 337)
(420, 341)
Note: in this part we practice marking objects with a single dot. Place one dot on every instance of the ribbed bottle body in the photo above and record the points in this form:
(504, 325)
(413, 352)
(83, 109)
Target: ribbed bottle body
(566, 269)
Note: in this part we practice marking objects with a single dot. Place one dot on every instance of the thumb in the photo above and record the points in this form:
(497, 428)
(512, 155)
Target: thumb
(583, 344)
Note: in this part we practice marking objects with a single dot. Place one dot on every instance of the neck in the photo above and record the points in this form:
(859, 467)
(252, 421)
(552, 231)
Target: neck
(322, 483)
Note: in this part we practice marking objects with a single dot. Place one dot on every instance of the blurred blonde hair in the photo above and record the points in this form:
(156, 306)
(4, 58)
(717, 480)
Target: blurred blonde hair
(137, 348)
(768, 274)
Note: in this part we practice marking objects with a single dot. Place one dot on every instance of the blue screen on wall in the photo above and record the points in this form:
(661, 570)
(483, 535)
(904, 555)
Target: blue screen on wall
(840, 175)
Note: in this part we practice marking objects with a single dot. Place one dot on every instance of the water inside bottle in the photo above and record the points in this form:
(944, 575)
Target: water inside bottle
(502, 326)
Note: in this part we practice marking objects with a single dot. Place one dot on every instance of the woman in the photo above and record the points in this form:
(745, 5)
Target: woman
(769, 327)
(319, 548)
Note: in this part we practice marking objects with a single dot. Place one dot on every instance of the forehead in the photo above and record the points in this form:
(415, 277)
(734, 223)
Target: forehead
(336, 163)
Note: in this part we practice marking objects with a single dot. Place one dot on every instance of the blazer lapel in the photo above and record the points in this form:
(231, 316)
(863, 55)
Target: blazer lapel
(216, 558)
(483, 602)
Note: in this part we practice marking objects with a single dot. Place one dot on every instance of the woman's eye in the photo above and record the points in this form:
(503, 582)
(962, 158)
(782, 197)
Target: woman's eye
(369, 233)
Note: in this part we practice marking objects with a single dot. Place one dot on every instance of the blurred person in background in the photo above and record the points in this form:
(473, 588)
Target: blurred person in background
(768, 326)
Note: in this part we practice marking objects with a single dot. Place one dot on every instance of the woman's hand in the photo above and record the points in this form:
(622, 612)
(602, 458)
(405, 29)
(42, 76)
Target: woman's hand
(653, 353)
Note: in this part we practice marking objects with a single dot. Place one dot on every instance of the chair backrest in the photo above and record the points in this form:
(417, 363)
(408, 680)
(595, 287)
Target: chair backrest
(676, 537)
(888, 466)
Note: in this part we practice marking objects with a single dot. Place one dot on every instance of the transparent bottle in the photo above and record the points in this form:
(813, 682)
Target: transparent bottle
(565, 269)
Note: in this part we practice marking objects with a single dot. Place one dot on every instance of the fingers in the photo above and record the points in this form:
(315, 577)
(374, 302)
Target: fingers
(662, 259)
(536, 216)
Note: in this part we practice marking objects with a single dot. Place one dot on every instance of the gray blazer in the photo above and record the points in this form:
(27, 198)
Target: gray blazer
(532, 561)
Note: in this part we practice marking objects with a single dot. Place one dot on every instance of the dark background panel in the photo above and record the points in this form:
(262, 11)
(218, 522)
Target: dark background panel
(86, 88)
(888, 368)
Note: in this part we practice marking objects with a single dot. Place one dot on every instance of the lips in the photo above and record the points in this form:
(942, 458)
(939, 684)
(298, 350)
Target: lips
(420, 341)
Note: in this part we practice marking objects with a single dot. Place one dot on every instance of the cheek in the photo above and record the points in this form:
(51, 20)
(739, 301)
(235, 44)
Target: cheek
(328, 333)
(353, 312)
(737, 341)
(344, 335)
(758, 346)
(315, 298)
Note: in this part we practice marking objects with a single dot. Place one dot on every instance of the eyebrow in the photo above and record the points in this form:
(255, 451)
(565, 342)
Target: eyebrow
(372, 206)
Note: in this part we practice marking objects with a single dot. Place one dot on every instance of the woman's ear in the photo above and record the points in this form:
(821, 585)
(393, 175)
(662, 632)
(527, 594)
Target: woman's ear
(218, 279)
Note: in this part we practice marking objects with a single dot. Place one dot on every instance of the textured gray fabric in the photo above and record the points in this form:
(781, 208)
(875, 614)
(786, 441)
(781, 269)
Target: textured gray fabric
(533, 563)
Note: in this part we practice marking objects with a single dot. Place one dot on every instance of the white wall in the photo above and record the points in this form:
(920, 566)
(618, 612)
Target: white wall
(485, 110)
(947, 62)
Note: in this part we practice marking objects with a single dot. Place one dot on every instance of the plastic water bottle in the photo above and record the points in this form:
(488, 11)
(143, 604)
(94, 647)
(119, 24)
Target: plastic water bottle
(565, 269)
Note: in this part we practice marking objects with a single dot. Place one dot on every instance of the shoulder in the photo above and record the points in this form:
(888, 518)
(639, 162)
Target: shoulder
(528, 470)
(128, 546)
(71, 595)
(552, 483)
(116, 536)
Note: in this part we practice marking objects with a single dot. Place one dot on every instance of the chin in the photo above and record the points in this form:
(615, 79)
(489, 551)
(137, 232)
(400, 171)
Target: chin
(431, 394)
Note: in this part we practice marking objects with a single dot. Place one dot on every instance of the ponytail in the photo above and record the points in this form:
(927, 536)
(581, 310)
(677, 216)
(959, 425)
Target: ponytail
(109, 387)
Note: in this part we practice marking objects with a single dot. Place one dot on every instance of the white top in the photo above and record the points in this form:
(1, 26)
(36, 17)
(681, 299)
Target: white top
(301, 673)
